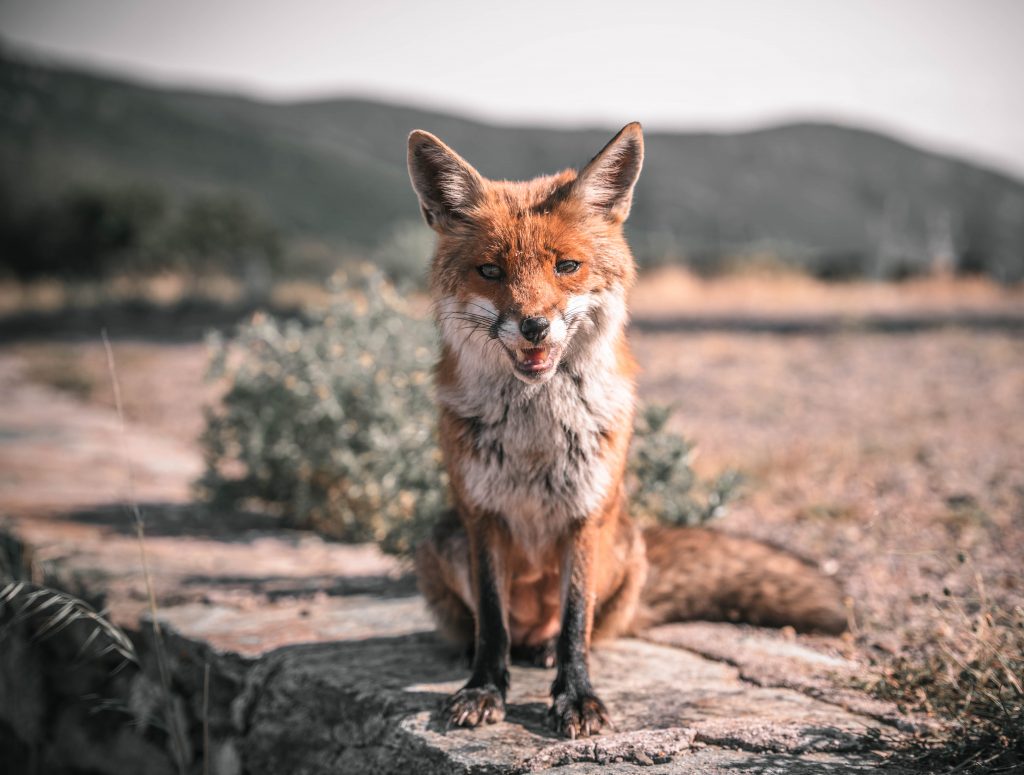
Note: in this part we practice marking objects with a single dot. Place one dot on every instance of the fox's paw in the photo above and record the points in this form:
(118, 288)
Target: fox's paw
(473, 706)
(578, 715)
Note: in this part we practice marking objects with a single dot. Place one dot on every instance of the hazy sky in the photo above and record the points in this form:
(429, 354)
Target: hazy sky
(948, 74)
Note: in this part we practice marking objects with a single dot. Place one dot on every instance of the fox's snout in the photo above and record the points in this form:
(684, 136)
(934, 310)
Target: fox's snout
(534, 329)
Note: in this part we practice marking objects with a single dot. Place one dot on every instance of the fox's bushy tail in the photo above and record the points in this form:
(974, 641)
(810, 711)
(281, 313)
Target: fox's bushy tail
(697, 573)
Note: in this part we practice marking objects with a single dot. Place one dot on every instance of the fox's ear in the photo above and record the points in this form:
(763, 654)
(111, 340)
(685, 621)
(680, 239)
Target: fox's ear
(446, 184)
(606, 183)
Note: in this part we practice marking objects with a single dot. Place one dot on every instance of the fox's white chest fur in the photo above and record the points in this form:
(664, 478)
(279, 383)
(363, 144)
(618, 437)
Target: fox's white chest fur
(536, 456)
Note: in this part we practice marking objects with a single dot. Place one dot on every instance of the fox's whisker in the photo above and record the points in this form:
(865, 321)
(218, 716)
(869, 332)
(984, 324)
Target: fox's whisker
(463, 313)
(481, 306)
(468, 318)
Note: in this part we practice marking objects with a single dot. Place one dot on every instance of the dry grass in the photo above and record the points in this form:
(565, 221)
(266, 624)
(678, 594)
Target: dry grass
(966, 668)
(887, 457)
(675, 291)
(174, 723)
(165, 289)
(52, 612)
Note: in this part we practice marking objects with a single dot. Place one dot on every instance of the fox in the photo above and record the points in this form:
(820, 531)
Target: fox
(536, 389)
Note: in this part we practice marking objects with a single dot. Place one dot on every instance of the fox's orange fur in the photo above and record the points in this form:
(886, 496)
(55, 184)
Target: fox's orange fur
(536, 391)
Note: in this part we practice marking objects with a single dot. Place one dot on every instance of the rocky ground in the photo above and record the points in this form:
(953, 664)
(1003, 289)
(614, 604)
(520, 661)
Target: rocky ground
(895, 459)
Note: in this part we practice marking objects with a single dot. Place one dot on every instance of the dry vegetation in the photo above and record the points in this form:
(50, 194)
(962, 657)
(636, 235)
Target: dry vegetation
(52, 295)
(773, 291)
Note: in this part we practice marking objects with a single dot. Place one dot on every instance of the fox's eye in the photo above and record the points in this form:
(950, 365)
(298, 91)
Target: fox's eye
(566, 267)
(490, 271)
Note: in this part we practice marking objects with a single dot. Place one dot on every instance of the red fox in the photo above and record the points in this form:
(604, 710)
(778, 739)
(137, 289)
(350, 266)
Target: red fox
(536, 389)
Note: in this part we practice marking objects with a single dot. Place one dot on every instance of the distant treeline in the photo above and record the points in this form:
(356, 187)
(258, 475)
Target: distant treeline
(91, 233)
(95, 232)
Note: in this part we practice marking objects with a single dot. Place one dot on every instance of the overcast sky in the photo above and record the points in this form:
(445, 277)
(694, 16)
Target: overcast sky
(948, 74)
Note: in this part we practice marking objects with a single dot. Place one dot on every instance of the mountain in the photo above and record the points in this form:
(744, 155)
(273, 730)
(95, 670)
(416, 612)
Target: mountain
(836, 198)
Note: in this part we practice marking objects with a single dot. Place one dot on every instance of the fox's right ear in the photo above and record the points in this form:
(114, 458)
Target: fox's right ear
(606, 183)
(446, 184)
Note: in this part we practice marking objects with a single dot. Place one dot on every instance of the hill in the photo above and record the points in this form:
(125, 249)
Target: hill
(840, 200)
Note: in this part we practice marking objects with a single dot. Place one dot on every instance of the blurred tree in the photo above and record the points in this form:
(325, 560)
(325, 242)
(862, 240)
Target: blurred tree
(220, 233)
(89, 232)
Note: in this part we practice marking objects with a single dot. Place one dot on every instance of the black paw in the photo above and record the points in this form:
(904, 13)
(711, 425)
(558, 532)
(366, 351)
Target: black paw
(473, 706)
(578, 715)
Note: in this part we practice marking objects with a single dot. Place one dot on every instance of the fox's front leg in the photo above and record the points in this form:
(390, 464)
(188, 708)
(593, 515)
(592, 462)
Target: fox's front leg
(482, 699)
(576, 711)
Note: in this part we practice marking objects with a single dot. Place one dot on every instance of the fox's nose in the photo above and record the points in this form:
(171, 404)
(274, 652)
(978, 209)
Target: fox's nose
(534, 329)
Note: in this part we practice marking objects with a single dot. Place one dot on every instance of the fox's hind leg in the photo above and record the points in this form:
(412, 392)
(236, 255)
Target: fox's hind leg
(616, 615)
(443, 573)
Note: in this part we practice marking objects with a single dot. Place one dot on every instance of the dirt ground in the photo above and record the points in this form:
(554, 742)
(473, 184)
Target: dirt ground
(894, 459)
(885, 456)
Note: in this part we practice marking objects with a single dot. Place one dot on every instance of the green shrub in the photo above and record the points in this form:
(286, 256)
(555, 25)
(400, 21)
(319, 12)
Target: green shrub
(331, 424)
(663, 487)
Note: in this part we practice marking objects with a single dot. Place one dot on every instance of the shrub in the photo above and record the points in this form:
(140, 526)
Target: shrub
(331, 424)
(663, 487)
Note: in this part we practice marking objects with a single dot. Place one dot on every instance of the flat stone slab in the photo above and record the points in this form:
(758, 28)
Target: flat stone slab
(776, 658)
(719, 761)
(252, 632)
(354, 706)
(323, 660)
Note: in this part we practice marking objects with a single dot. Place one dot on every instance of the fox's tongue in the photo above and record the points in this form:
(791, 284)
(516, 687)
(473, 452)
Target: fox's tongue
(533, 357)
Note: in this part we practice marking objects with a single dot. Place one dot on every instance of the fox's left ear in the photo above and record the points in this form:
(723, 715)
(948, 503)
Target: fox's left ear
(606, 183)
(446, 184)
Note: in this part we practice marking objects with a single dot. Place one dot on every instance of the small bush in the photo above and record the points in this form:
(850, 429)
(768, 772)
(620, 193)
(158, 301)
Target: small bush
(663, 487)
(331, 424)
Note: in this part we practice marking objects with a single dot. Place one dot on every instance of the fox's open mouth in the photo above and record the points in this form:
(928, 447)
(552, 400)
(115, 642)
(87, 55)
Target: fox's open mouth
(534, 361)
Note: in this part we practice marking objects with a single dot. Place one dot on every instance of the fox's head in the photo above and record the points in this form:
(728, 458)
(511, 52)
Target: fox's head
(525, 273)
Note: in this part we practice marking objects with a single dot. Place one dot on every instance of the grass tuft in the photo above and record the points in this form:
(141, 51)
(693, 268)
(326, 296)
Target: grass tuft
(51, 612)
(965, 669)
(176, 732)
